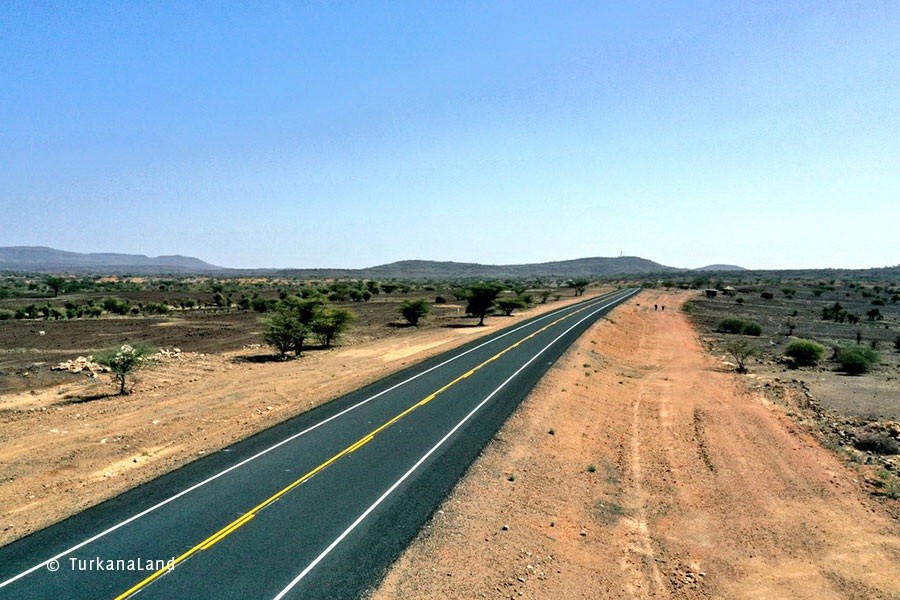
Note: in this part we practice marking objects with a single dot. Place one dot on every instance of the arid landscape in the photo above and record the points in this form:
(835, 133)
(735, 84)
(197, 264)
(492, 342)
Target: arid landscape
(381, 301)
(68, 441)
(643, 467)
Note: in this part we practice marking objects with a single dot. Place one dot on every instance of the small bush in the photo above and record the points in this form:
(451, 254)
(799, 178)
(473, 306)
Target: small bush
(6, 315)
(124, 360)
(752, 328)
(738, 325)
(731, 325)
(856, 360)
(440, 300)
(767, 295)
(880, 443)
(413, 310)
(116, 306)
(741, 352)
(805, 353)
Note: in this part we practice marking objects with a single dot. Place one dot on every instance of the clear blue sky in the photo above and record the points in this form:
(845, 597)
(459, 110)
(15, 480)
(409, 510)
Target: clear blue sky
(349, 134)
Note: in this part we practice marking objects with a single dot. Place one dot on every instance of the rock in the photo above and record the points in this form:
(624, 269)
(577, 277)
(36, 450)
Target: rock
(505, 528)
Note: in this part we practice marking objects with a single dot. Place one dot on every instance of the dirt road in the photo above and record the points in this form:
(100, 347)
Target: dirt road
(639, 468)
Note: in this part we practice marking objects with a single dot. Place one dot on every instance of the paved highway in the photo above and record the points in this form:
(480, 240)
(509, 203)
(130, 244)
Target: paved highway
(316, 507)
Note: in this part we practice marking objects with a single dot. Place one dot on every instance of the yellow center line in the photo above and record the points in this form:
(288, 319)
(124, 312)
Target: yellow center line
(243, 519)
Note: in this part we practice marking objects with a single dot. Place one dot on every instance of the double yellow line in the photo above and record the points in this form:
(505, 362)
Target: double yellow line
(246, 517)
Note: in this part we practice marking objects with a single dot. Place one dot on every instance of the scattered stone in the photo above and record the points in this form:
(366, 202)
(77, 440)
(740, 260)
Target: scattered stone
(82, 364)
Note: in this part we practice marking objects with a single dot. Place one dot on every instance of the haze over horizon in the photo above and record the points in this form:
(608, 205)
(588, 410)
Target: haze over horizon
(763, 135)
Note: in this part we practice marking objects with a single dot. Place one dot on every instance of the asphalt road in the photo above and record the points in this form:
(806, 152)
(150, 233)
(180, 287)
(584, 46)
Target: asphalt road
(316, 507)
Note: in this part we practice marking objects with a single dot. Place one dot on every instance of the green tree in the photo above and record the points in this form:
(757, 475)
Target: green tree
(508, 305)
(329, 323)
(579, 285)
(413, 310)
(285, 332)
(55, 284)
(481, 298)
(306, 309)
(123, 361)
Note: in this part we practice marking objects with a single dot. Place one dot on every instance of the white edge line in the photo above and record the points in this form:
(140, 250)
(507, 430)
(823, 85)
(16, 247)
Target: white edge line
(274, 446)
(418, 463)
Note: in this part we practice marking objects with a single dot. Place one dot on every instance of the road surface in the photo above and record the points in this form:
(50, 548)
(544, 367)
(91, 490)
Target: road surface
(316, 507)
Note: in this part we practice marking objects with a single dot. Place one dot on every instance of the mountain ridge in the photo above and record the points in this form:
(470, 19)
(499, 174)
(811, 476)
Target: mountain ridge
(49, 260)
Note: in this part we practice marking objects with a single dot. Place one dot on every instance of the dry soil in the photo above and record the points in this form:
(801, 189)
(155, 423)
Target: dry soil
(640, 468)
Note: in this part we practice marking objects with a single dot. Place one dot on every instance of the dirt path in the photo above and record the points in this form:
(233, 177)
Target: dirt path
(59, 455)
(661, 478)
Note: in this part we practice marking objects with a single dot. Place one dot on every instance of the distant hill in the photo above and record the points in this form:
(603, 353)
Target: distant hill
(49, 260)
(430, 269)
(721, 268)
(40, 258)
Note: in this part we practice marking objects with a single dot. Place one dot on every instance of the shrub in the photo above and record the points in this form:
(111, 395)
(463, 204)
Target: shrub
(874, 314)
(330, 323)
(880, 443)
(123, 361)
(897, 343)
(440, 300)
(155, 308)
(116, 306)
(413, 310)
(508, 305)
(856, 360)
(285, 332)
(805, 353)
(731, 325)
(752, 328)
(6, 315)
(741, 351)
(260, 305)
(767, 295)
(790, 325)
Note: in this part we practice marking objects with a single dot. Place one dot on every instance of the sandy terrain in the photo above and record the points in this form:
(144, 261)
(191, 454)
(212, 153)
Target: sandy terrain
(639, 468)
(59, 455)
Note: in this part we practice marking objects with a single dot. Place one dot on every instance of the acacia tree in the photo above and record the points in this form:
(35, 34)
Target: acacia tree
(330, 323)
(579, 285)
(285, 332)
(413, 310)
(123, 361)
(481, 299)
(508, 305)
(55, 284)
